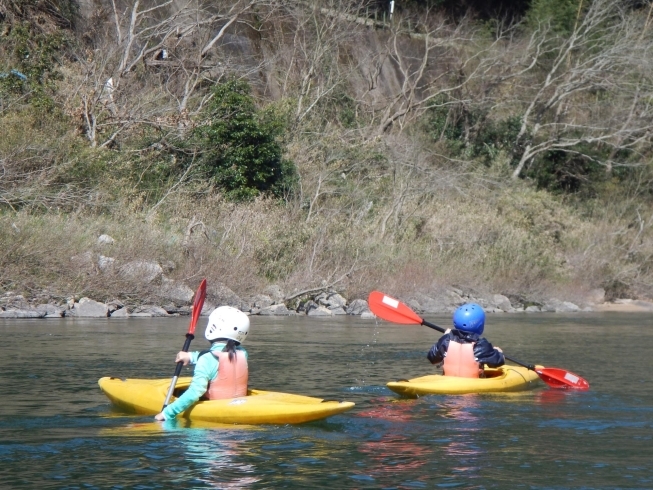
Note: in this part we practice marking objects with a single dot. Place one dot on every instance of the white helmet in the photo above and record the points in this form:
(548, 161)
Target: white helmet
(227, 322)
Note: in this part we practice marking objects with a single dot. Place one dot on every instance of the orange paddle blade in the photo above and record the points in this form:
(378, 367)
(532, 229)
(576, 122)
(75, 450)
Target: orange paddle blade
(200, 295)
(561, 378)
(391, 309)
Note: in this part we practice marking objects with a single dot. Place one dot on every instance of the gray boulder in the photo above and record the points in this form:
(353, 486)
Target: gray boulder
(414, 305)
(568, 306)
(173, 309)
(15, 313)
(14, 301)
(320, 311)
(443, 303)
(455, 297)
(175, 291)
(105, 240)
(207, 308)
(338, 310)
(275, 292)
(142, 271)
(334, 300)
(501, 302)
(557, 306)
(320, 298)
(50, 311)
(88, 308)
(221, 295)
(261, 301)
(149, 311)
(105, 264)
(307, 306)
(357, 307)
(275, 310)
(120, 313)
(114, 305)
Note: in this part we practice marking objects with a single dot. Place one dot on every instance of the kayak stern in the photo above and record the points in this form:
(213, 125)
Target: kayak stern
(504, 379)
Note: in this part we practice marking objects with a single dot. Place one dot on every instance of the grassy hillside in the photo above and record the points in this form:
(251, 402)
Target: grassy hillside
(314, 146)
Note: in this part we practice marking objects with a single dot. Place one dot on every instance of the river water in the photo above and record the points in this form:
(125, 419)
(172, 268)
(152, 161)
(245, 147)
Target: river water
(57, 430)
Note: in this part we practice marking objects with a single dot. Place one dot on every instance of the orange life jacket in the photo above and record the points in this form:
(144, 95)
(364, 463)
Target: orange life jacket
(231, 380)
(460, 361)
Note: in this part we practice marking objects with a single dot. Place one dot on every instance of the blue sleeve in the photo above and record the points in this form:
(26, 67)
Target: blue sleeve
(485, 353)
(439, 349)
(205, 370)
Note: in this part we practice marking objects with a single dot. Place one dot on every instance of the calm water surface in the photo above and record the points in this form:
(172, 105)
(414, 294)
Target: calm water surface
(57, 430)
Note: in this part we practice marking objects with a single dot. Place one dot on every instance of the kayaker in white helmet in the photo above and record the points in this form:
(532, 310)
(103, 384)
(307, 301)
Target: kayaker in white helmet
(220, 372)
(462, 351)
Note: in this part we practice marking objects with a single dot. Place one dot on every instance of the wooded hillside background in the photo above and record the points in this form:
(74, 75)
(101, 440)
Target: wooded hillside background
(500, 146)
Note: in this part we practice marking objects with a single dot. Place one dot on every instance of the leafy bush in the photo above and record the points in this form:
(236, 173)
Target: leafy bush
(580, 171)
(30, 52)
(561, 14)
(473, 132)
(240, 151)
(446, 122)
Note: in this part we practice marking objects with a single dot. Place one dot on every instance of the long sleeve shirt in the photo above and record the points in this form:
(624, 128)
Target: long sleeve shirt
(206, 369)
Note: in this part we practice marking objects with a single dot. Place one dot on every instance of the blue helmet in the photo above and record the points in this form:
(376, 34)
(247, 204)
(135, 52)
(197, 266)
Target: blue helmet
(469, 317)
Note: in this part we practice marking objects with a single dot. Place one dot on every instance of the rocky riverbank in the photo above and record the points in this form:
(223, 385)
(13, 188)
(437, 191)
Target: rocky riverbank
(164, 296)
(176, 299)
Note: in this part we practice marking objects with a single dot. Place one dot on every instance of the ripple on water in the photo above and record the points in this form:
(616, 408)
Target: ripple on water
(58, 430)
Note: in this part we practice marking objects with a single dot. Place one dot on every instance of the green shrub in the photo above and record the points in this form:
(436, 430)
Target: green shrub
(581, 171)
(239, 148)
(472, 133)
(561, 14)
(34, 52)
(445, 122)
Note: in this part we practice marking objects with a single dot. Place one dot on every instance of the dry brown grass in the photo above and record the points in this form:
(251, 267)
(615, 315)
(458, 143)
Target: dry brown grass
(513, 240)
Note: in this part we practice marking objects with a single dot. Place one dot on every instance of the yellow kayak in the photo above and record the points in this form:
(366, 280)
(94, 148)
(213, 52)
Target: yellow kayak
(146, 396)
(502, 379)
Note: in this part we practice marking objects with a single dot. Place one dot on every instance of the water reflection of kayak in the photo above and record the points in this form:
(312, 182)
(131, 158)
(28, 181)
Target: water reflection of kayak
(146, 396)
(502, 379)
(152, 427)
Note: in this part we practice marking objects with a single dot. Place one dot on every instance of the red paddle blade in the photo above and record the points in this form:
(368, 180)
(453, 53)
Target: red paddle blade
(391, 309)
(560, 378)
(200, 295)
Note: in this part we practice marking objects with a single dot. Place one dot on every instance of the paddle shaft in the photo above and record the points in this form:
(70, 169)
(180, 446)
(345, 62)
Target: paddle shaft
(180, 364)
(440, 329)
(200, 294)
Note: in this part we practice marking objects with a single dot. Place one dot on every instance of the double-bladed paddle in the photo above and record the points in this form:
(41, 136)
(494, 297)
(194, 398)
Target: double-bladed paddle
(200, 294)
(393, 310)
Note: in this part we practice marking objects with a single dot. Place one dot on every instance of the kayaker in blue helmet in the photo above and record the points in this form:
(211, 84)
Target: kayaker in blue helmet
(462, 350)
(220, 372)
